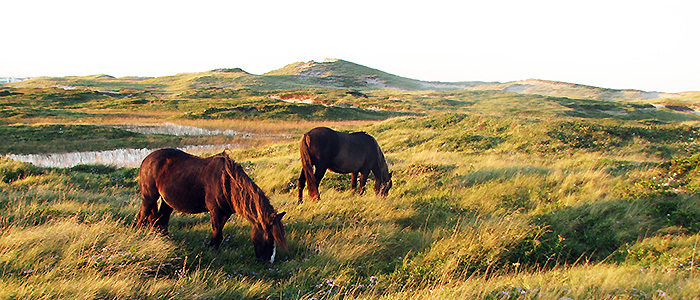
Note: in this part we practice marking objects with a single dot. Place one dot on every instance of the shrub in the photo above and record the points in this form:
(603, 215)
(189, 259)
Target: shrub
(12, 171)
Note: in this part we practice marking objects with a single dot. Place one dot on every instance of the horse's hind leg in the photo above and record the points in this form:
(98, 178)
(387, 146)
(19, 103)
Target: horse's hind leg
(149, 206)
(313, 188)
(302, 183)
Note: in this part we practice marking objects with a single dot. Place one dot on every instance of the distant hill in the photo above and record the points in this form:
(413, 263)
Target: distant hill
(330, 74)
(344, 74)
(570, 90)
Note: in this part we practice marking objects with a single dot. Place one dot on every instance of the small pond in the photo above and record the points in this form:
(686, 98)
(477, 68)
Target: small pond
(130, 158)
(179, 130)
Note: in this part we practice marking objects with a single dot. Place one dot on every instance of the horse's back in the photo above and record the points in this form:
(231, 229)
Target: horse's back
(155, 162)
(320, 143)
(328, 138)
(340, 151)
(363, 139)
(177, 177)
(357, 153)
(322, 136)
(162, 154)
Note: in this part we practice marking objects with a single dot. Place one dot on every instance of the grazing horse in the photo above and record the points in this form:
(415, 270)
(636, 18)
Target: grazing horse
(216, 184)
(342, 153)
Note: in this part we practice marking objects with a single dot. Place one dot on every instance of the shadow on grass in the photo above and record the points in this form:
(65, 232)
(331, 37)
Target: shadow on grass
(603, 230)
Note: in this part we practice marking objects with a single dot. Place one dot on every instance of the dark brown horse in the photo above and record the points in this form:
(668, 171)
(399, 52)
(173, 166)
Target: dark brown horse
(356, 153)
(216, 184)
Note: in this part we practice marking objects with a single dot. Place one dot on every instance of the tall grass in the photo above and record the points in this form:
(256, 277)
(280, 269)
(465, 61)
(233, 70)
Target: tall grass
(483, 207)
(104, 259)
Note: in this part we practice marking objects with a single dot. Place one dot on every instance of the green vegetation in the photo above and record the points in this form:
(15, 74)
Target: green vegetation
(64, 138)
(496, 195)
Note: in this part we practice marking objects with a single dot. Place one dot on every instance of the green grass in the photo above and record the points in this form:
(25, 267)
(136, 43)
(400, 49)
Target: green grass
(212, 95)
(486, 221)
(24, 139)
(496, 196)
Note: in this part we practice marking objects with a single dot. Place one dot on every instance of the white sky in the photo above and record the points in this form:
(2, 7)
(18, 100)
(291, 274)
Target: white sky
(647, 45)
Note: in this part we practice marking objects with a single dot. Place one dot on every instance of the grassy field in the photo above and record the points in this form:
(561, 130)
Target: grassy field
(496, 196)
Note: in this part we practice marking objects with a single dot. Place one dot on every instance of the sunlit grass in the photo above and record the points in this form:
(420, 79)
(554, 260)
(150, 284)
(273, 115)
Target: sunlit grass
(482, 208)
(454, 225)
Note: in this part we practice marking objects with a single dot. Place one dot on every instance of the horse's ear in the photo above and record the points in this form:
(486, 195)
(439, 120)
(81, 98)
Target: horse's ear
(278, 231)
(279, 216)
(225, 153)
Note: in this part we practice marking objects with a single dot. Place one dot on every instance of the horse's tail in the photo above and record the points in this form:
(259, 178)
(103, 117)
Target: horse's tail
(148, 211)
(306, 164)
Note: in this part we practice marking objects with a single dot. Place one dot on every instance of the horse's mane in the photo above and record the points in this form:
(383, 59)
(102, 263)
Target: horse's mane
(381, 160)
(247, 199)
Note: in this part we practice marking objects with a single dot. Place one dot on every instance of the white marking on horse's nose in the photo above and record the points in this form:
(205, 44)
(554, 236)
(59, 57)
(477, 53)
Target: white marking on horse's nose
(274, 252)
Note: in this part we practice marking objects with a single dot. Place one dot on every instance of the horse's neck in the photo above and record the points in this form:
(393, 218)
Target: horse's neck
(258, 207)
(252, 203)
(384, 173)
(382, 167)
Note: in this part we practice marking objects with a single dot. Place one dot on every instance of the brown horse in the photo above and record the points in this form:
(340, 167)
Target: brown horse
(216, 184)
(356, 153)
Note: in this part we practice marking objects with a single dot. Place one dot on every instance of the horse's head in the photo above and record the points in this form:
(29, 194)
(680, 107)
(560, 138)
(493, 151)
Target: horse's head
(267, 237)
(385, 185)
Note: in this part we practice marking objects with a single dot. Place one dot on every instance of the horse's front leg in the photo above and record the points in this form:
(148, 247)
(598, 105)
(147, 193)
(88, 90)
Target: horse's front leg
(218, 220)
(353, 183)
(161, 224)
(363, 181)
